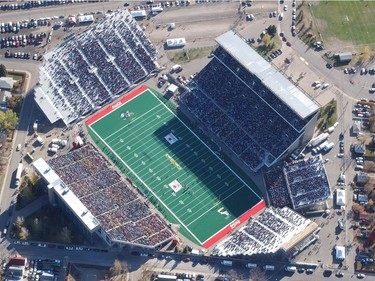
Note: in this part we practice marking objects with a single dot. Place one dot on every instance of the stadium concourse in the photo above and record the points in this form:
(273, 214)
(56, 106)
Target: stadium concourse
(249, 106)
(300, 184)
(92, 68)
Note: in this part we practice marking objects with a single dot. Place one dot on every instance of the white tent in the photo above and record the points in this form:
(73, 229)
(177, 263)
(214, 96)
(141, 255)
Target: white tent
(340, 252)
(172, 88)
(176, 42)
(340, 197)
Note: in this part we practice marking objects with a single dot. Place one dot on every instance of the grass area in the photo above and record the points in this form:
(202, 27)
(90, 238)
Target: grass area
(15, 76)
(186, 55)
(351, 21)
(328, 115)
(266, 49)
(47, 224)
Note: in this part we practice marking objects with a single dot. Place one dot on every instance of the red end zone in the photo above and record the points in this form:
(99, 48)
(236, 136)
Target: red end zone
(235, 224)
(115, 105)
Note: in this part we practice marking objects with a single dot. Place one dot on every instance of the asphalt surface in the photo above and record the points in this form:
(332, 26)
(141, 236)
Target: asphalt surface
(204, 23)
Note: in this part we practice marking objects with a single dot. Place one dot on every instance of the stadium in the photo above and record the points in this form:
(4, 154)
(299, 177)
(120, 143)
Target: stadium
(162, 169)
(248, 106)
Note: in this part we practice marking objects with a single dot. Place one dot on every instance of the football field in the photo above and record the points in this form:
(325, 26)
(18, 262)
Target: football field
(177, 171)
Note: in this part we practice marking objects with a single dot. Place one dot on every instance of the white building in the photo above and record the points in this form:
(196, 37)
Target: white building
(340, 197)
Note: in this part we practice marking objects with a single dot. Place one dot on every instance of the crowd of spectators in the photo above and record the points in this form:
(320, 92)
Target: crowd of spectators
(234, 105)
(277, 188)
(307, 181)
(263, 235)
(121, 213)
(93, 67)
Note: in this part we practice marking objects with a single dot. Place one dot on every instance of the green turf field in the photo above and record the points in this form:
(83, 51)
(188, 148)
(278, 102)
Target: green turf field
(351, 21)
(177, 171)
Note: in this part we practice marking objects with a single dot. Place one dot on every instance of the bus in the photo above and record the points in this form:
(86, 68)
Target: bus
(19, 174)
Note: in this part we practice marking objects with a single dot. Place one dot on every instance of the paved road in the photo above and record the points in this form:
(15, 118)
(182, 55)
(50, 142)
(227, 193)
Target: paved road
(312, 57)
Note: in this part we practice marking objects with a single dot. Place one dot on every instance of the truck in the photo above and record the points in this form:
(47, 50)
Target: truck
(317, 140)
(332, 128)
(56, 141)
(328, 147)
(156, 10)
(251, 265)
(227, 263)
(269, 267)
(19, 174)
(319, 148)
(40, 140)
(52, 149)
(291, 268)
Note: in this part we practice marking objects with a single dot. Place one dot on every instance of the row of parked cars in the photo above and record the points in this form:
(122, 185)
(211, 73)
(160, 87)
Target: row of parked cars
(274, 55)
(20, 55)
(15, 27)
(41, 3)
(22, 40)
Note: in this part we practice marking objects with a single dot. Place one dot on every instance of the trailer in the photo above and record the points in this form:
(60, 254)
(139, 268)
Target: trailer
(328, 147)
(52, 149)
(317, 140)
(176, 43)
(156, 9)
(40, 140)
(19, 174)
(320, 147)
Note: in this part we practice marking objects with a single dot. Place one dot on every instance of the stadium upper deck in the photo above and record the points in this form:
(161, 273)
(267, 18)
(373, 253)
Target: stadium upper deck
(93, 67)
(258, 125)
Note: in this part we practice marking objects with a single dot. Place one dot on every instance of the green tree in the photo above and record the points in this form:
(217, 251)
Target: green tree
(19, 222)
(372, 124)
(24, 233)
(3, 71)
(14, 103)
(266, 39)
(271, 30)
(8, 119)
(257, 275)
(65, 235)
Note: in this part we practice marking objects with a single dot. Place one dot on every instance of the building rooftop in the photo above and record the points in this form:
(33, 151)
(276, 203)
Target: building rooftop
(66, 195)
(298, 101)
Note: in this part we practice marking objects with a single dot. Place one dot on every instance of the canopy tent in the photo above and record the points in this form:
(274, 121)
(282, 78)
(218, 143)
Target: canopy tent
(340, 252)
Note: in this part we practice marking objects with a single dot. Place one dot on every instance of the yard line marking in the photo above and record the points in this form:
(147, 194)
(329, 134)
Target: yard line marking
(126, 125)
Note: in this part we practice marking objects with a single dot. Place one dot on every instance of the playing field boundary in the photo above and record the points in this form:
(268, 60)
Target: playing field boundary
(233, 225)
(223, 230)
(115, 105)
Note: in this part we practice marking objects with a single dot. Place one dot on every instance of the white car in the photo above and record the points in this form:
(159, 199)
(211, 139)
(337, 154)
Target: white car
(18, 147)
(294, 12)
(340, 155)
(360, 275)
(364, 99)
(286, 8)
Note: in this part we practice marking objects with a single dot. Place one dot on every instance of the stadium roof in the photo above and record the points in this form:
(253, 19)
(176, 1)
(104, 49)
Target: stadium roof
(46, 105)
(67, 196)
(271, 77)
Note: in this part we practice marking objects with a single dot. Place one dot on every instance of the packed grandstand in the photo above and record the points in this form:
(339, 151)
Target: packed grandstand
(93, 67)
(299, 184)
(241, 109)
(122, 215)
(266, 234)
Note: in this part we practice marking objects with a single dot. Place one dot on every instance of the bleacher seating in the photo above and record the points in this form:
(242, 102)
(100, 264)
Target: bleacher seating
(307, 181)
(234, 105)
(97, 65)
(264, 234)
(109, 198)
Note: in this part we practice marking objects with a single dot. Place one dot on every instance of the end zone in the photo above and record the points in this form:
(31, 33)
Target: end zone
(115, 105)
(234, 224)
